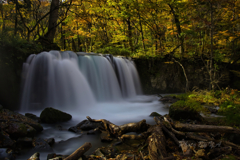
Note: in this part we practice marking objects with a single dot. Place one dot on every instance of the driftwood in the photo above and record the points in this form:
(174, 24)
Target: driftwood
(186, 131)
(198, 140)
(79, 152)
(117, 131)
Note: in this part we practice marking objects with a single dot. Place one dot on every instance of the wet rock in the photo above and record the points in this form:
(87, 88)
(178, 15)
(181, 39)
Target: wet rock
(5, 140)
(51, 141)
(40, 143)
(18, 129)
(35, 156)
(11, 120)
(154, 114)
(25, 141)
(51, 115)
(184, 113)
(33, 117)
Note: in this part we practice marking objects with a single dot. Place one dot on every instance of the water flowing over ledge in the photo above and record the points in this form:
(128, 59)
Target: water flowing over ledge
(68, 80)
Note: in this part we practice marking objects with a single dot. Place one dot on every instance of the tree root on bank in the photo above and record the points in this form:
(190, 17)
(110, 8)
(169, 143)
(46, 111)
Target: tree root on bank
(190, 141)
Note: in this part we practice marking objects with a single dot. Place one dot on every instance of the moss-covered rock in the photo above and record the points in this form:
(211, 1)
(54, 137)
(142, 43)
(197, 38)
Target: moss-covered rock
(184, 113)
(17, 125)
(51, 115)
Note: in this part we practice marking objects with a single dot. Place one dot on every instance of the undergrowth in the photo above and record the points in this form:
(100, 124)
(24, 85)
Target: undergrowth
(228, 101)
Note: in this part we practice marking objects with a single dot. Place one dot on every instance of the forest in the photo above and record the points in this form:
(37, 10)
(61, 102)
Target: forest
(176, 29)
(151, 28)
(204, 34)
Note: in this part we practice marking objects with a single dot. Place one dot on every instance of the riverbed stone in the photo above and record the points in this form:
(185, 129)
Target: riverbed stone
(51, 115)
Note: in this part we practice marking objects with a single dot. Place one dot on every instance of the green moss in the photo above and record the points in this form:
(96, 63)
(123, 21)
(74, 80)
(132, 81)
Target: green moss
(231, 111)
(183, 96)
(191, 104)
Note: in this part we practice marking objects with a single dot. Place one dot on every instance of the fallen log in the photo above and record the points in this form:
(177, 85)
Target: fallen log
(189, 135)
(156, 143)
(204, 128)
(140, 136)
(172, 136)
(117, 131)
(79, 152)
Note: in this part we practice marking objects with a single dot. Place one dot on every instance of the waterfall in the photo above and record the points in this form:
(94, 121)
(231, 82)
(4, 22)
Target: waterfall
(74, 80)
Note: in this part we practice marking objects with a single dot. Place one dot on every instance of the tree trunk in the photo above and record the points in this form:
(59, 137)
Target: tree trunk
(2, 15)
(53, 18)
(179, 30)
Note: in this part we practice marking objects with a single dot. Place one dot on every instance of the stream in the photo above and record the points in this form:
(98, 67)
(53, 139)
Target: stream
(122, 112)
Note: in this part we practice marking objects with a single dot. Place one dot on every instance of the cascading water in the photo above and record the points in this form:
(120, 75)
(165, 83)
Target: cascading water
(102, 87)
(69, 80)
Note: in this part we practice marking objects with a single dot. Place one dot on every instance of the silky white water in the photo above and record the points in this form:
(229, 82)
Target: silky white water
(102, 87)
(131, 110)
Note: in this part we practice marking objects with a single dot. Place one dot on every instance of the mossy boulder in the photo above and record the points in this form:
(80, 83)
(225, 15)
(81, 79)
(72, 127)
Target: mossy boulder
(154, 114)
(51, 115)
(17, 125)
(184, 113)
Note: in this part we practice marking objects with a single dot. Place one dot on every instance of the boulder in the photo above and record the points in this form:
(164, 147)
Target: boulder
(41, 144)
(154, 114)
(17, 125)
(18, 129)
(51, 115)
(33, 117)
(184, 113)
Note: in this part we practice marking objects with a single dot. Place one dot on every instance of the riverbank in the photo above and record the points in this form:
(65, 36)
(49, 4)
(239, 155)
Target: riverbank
(135, 142)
